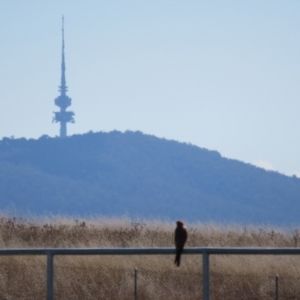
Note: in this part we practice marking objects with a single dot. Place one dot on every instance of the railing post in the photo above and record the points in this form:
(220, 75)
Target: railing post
(205, 275)
(50, 291)
(135, 284)
(276, 288)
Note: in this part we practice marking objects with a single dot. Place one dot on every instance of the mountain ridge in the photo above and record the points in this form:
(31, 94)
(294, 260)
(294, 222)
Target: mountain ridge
(140, 175)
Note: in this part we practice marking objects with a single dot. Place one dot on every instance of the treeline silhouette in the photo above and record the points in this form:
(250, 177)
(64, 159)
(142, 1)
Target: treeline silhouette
(140, 175)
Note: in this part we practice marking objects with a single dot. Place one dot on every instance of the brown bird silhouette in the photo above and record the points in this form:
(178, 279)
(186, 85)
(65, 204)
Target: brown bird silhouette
(180, 239)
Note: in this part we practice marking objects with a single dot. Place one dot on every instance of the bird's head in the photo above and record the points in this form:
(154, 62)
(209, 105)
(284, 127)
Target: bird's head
(180, 223)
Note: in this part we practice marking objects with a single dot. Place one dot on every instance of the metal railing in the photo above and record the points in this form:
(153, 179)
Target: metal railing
(205, 252)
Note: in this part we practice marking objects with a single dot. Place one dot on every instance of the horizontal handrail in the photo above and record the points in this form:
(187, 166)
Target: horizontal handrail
(150, 251)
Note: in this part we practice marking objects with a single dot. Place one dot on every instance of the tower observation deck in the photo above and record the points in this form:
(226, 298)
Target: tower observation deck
(63, 101)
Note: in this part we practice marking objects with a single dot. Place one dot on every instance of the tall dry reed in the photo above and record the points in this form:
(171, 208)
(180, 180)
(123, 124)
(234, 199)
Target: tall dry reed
(112, 277)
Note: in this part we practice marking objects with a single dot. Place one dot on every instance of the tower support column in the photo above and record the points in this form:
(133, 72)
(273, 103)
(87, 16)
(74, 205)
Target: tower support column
(63, 129)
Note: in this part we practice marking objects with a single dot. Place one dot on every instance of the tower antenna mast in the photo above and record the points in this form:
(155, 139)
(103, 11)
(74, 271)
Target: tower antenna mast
(63, 101)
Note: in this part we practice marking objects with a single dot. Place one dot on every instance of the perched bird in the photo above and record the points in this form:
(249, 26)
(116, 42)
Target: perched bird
(180, 239)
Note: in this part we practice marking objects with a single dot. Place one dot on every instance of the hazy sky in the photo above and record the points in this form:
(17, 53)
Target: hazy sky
(223, 75)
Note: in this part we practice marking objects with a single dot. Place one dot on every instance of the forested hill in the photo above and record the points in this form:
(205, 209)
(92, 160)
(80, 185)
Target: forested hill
(139, 175)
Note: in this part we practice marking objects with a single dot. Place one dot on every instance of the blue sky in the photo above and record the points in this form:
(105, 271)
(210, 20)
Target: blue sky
(223, 75)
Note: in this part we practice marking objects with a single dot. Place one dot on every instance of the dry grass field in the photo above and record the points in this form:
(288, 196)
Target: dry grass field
(112, 277)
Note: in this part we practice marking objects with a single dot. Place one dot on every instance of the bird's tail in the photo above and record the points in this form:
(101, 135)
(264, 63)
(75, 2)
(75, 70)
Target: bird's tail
(177, 257)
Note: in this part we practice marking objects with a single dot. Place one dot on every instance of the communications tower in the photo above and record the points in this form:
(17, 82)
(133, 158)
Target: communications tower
(63, 101)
